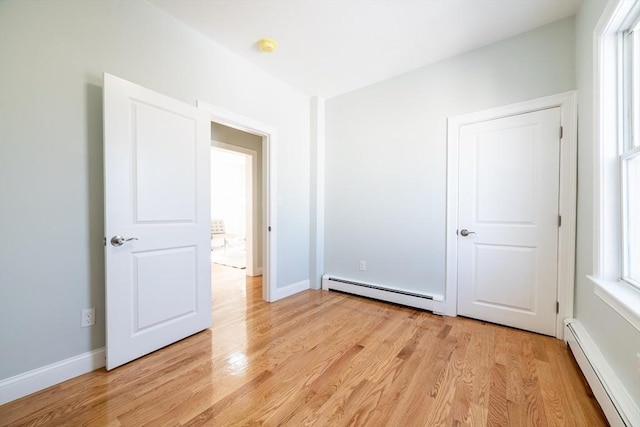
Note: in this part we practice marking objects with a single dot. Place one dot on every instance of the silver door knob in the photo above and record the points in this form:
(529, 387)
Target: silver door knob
(464, 232)
(119, 240)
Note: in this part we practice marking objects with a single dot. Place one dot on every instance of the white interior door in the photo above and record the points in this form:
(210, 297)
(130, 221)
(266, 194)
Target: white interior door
(156, 171)
(508, 220)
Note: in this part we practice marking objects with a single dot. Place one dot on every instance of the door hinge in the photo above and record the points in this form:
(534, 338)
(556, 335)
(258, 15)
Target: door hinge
(269, 228)
(561, 132)
(557, 307)
(559, 220)
(104, 241)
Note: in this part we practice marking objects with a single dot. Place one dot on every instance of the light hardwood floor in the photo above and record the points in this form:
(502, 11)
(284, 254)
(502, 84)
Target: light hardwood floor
(327, 359)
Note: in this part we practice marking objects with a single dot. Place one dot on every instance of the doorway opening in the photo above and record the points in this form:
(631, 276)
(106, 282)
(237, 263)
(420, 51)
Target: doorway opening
(237, 225)
(231, 209)
(241, 134)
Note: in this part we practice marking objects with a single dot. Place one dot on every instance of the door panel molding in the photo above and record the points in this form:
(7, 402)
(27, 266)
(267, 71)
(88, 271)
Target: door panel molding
(567, 102)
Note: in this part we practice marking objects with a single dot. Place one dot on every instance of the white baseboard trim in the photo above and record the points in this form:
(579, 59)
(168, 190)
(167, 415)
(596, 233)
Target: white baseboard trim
(294, 288)
(615, 401)
(38, 379)
(423, 301)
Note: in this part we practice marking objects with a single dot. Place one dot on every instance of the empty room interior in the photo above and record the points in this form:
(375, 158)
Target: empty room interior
(267, 212)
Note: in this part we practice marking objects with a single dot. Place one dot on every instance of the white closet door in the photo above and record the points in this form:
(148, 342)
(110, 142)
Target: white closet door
(508, 220)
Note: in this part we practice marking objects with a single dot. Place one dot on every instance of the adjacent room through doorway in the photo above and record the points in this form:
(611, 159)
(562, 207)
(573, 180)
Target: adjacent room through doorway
(229, 215)
(236, 209)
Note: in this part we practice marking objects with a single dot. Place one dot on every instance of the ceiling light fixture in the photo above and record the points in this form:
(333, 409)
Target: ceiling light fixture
(267, 45)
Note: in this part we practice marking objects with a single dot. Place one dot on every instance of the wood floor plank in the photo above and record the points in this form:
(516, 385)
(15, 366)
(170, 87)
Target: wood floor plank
(408, 397)
(326, 359)
(320, 393)
(332, 392)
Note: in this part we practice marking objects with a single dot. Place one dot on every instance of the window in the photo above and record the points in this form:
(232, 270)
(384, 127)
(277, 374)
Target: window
(630, 152)
(617, 169)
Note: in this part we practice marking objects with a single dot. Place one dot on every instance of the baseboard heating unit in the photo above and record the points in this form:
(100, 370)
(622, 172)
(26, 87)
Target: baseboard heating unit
(615, 401)
(385, 293)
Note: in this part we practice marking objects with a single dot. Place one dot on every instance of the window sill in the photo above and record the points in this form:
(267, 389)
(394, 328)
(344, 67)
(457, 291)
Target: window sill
(622, 297)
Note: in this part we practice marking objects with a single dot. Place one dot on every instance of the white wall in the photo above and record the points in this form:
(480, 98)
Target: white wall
(616, 338)
(386, 153)
(52, 56)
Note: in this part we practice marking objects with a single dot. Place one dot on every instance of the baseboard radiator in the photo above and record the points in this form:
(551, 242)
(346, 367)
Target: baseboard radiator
(384, 293)
(615, 401)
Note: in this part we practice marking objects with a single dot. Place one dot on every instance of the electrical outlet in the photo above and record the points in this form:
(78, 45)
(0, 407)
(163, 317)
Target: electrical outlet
(88, 317)
(363, 265)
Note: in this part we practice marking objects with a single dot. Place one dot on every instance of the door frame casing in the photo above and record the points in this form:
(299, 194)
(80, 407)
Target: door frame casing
(567, 102)
(269, 188)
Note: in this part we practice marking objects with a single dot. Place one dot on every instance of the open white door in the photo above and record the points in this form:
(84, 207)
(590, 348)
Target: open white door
(157, 248)
(509, 172)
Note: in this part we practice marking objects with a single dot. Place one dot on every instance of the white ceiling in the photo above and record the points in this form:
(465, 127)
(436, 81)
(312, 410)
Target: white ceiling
(328, 47)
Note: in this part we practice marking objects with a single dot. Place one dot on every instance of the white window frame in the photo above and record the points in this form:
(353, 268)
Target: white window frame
(630, 141)
(608, 105)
